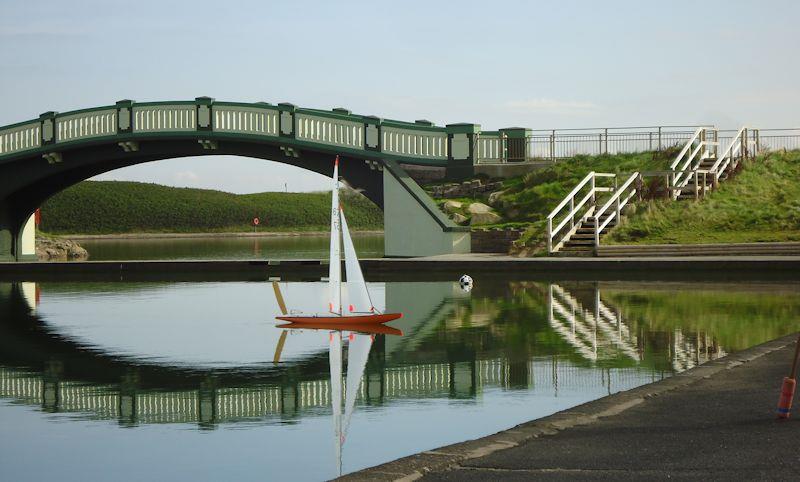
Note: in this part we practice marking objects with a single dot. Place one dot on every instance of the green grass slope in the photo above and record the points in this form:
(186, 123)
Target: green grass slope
(110, 207)
(527, 200)
(761, 203)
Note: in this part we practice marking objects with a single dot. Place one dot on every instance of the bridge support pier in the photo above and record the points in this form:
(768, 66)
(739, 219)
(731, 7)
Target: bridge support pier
(17, 242)
(413, 225)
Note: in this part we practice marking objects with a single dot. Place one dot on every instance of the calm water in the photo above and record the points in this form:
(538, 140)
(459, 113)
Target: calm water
(193, 381)
(277, 247)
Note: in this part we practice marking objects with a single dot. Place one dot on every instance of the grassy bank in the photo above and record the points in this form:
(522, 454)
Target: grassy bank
(112, 207)
(761, 203)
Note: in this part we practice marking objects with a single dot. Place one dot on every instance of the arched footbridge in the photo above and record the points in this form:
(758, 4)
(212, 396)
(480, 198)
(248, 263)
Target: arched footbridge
(41, 157)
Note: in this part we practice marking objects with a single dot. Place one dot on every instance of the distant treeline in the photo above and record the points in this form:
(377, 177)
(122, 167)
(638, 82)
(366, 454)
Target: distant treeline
(110, 207)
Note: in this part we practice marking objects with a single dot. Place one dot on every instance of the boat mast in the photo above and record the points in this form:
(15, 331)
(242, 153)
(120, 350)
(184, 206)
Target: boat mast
(335, 266)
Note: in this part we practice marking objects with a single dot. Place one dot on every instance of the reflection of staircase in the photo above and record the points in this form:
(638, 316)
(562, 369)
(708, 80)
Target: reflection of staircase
(689, 352)
(595, 334)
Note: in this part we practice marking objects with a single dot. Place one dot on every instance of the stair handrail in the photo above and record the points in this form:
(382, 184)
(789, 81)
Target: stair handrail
(569, 199)
(618, 204)
(683, 175)
(726, 158)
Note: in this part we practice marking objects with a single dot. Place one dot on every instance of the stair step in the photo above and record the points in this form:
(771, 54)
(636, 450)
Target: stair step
(579, 242)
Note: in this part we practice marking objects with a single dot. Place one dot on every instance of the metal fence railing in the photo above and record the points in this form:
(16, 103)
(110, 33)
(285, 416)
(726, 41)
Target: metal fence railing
(775, 139)
(556, 144)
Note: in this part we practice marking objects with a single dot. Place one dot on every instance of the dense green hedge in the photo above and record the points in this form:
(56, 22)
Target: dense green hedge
(107, 207)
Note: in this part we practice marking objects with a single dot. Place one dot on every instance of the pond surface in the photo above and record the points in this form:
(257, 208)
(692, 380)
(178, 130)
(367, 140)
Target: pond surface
(194, 381)
(266, 247)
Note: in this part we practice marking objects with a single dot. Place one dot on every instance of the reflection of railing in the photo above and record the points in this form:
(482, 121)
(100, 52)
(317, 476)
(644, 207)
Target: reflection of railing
(262, 401)
(592, 333)
(688, 353)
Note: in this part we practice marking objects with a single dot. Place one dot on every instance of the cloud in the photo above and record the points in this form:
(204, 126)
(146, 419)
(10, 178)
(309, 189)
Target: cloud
(186, 176)
(552, 106)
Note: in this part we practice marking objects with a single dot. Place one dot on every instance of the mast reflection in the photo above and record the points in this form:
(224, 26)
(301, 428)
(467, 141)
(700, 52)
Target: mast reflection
(360, 340)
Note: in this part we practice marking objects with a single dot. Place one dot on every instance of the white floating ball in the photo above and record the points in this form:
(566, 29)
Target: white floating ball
(465, 282)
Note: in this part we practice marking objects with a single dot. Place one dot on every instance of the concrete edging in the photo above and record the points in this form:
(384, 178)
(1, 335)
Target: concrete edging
(444, 458)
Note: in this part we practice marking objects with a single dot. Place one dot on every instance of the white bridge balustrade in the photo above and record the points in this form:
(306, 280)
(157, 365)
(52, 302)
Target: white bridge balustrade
(245, 119)
(406, 142)
(331, 131)
(164, 118)
(86, 125)
(20, 138)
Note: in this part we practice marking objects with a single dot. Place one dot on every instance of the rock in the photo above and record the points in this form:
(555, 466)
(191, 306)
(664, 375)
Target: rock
(59, 249)
(479, 208)
(452, 206)
(484, 218)
(459, 218)
(451, 192)
(494, 198)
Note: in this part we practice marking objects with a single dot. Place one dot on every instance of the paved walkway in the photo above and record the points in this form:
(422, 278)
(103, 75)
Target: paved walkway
(715, 422)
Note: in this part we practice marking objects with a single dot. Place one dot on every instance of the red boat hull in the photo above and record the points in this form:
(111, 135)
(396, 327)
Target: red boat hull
(370, 319)
(366, 328)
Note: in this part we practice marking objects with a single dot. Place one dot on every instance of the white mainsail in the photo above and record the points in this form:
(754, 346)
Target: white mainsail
(357, 355)
(357, 293)
(335, 359)
(335, 268)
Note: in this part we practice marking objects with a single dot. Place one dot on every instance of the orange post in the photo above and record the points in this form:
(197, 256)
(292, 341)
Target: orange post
(788, 387)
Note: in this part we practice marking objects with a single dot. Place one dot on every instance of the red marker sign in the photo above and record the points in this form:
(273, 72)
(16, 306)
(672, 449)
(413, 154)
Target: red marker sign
(256, 221)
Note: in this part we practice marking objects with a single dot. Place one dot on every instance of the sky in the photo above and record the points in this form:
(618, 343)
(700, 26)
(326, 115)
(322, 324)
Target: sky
(537, 64)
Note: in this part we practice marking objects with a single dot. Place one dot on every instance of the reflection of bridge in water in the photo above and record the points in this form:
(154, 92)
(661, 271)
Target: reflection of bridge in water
(598, 332)
(60, 376)
(129, 405)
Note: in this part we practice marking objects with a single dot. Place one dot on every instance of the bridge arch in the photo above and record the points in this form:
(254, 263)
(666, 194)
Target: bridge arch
(42, 157)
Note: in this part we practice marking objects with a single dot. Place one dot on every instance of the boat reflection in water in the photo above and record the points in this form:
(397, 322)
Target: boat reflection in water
(359, 344)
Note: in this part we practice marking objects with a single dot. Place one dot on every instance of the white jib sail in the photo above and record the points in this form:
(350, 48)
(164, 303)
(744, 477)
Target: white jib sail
(335, 358)
(357, 354)
(357, 293)
(335, 269)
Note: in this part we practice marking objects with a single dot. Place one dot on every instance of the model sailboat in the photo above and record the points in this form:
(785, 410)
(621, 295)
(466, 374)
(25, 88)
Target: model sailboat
(360, 309)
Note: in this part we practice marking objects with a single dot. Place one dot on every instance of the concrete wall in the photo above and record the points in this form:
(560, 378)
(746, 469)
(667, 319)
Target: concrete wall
(511, 169)
(413, 224)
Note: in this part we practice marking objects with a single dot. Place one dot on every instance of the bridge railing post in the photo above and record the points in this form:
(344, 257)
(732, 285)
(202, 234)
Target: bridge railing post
(286, 120)
(461, 152)
(47, 130)
(373, 135)
(124, 116)
(517, 143)
(204, 113)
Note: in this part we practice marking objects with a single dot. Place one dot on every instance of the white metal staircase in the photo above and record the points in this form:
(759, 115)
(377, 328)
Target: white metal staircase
(595, 205)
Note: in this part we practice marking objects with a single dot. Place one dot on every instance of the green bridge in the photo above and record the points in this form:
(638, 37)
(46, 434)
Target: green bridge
(40, 157)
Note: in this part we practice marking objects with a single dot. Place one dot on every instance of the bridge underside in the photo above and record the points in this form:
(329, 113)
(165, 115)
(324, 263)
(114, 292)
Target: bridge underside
(29, 181)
